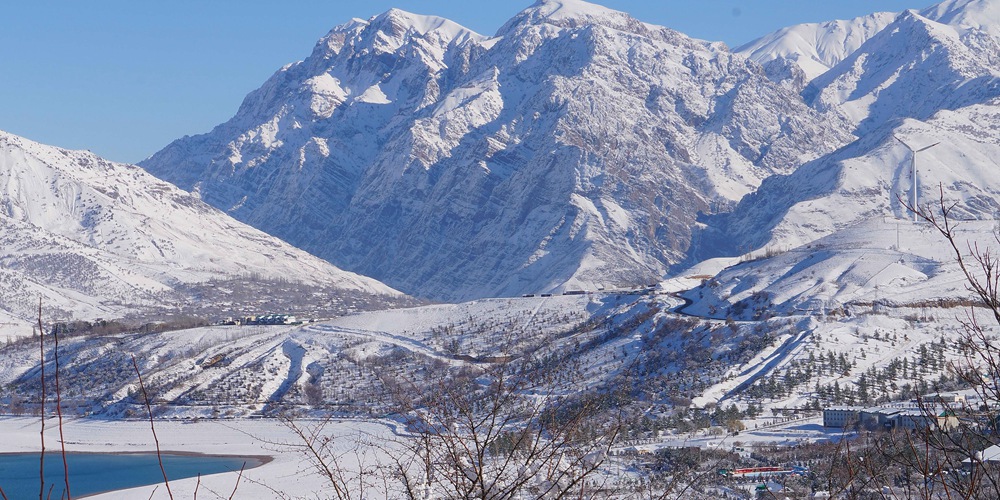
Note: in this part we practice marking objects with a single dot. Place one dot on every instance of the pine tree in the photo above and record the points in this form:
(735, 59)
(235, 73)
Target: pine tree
(863, 395)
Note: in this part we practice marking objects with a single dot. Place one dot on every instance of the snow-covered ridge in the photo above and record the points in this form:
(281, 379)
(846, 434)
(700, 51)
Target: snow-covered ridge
(101, 239)
(394, 28)
(570, 14)
(816, 47)
(983, 15)
(573, 11)
(913, 56)
(518, 164)
(424, 24)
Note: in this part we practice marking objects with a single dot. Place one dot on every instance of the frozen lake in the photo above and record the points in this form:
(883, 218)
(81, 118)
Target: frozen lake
(91, 473)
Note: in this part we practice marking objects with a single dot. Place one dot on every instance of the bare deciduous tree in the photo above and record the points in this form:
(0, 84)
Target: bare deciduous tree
(943, 458)
(498, 432)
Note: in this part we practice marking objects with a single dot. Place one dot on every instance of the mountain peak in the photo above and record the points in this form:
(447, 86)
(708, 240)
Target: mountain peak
(398, 22)
(575, 13)
(967, 14)
(817, 47)
(390, 31)
(572, 9)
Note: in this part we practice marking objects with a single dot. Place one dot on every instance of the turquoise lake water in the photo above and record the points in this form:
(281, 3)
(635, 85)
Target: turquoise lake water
(91, 473)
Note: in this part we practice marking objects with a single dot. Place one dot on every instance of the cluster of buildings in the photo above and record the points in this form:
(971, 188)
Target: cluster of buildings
(266, 319)
(640, 290)
(934, 412)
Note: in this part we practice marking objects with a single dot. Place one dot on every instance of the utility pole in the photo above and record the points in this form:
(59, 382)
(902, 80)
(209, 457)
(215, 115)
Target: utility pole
(913, 170)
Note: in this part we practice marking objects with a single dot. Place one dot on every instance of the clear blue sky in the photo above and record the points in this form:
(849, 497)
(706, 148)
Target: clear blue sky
(124, 78)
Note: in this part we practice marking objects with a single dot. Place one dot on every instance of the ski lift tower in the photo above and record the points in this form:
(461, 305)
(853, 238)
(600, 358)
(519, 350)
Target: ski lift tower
(913, 170)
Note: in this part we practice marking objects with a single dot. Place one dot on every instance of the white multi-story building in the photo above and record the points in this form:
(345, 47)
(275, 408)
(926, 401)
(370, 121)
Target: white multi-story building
(841, 416)
(889, 417)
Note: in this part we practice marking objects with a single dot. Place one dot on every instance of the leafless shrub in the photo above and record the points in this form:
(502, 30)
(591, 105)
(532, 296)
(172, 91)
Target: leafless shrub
(944, 458)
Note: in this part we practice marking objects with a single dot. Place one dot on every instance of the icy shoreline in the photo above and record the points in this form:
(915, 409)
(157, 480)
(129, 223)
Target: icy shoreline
(284, 470)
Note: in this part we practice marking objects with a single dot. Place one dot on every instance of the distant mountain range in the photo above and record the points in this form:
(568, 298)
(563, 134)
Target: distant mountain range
(580, 148)
(917, 80)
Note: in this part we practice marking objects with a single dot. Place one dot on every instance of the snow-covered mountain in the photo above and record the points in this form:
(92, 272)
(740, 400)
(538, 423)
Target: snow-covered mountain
(912, 69)
(814, 48)
(867, 180)
(96, 239)
(575, 148)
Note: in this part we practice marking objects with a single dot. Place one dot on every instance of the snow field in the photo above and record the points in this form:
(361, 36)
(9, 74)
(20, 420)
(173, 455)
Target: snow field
(289, 472)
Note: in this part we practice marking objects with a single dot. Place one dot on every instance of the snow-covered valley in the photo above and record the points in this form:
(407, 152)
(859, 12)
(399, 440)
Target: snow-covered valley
(698, 241)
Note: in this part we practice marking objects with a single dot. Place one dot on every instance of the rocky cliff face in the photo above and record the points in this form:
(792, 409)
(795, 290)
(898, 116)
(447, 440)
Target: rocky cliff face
(573, 149)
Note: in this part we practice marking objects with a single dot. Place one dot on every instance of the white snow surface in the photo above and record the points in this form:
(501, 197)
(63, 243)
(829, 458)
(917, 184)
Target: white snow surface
(816, 47)
(95, 239)
(288, 471)
(982, 15)
(880, 260)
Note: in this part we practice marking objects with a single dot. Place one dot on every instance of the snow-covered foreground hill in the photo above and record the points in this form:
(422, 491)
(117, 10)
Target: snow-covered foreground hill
(335, 365)
(855, 317)
(584, 344)
(877, 295)
(93, 239)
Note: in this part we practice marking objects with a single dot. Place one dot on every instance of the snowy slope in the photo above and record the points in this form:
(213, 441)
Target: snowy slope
(913, 56)
(966, 15)
(865, 181)
(333, 365)
(94, 239)
(886, 261)
(573, 149)
(570, 344)
(815, 47)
